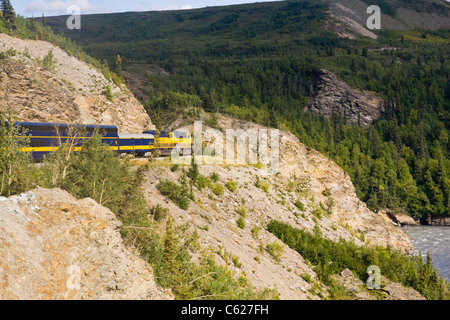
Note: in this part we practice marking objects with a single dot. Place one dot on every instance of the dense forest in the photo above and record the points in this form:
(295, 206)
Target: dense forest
(258, 62)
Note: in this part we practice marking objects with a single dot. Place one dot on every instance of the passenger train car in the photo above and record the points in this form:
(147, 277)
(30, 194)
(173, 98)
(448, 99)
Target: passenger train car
(46, 137)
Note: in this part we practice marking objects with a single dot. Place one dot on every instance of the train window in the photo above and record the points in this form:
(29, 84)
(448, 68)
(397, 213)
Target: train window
(40, 128)
(37, 143)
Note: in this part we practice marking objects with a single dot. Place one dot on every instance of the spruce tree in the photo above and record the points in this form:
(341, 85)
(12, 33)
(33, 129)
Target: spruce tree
(9, 15)
(118, 69)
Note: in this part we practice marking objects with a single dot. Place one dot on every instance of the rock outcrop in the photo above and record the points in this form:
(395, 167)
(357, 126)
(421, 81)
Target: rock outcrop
(397, 220)
(436, 221)
(71, 91)
(332, 95)
(53, 246)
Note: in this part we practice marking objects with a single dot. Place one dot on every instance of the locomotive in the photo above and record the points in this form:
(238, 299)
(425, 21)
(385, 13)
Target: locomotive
(46, 137)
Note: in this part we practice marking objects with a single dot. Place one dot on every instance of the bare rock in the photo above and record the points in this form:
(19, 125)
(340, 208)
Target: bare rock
(53, 246)
(332, 95)
(347, 273)
(405, 220)
(71, 92)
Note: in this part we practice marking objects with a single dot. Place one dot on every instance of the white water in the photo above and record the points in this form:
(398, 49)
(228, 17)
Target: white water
(436, 241)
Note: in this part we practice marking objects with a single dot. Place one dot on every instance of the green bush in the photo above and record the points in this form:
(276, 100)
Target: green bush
(193, 172)
(159, 212)
(48, 61)
(241, 211)
(326, 192)
(261, 184)
(202, 182)
(15, 166)
(217, 189)
(7, 54)
(241, 223)
(300, 205)
(231, 185)
(275, 250)
(179, 194)
(214, 177)
(108, 93)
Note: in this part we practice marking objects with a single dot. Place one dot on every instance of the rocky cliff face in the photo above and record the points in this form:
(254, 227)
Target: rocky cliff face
(70, 92)
(215, 216)
(332, 95)
(53, 246)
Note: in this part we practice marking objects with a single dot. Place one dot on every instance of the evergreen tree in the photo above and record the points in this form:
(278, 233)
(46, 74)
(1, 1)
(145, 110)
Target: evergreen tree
(15, 165)
(9, 14)
(118, 68)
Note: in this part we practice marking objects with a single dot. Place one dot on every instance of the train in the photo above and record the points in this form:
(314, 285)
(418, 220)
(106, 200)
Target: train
(47, 137)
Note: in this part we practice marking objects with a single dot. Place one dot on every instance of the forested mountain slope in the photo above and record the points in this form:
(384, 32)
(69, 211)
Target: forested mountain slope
(260, 62)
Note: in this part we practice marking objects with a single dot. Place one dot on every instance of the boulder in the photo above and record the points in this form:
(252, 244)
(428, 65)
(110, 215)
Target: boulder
(53, 246)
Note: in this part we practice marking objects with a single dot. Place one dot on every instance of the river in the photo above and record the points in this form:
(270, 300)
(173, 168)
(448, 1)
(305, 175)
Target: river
(436, 241)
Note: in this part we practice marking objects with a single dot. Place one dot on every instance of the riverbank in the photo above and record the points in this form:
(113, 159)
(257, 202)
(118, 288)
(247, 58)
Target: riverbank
(402, 220)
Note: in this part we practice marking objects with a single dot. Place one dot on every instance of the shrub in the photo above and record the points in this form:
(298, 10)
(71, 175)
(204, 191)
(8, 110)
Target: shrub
(95, 172)
(48, 61)
(241, 223)
(202, 182)
(236, 261)
(275, 250)
(159, 212)
(217, 189)
(241, 211)
(169, 251)
(108, 93)
(15, 166)
(326, 192)
(306, 277)
(231, 185)
(179, 194)
(193, 172)
(300, 205)
(260, 184)
(214, 177)
(255, 231)
(7, 54)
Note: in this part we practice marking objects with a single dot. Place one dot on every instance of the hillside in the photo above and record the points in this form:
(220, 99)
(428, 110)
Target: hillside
(62, 89)
(241, 29)
(349, 17)
(48, 234)
(273, 62)
(215, 214)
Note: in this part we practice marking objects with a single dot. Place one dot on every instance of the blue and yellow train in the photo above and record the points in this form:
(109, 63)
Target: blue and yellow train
(46, 137)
